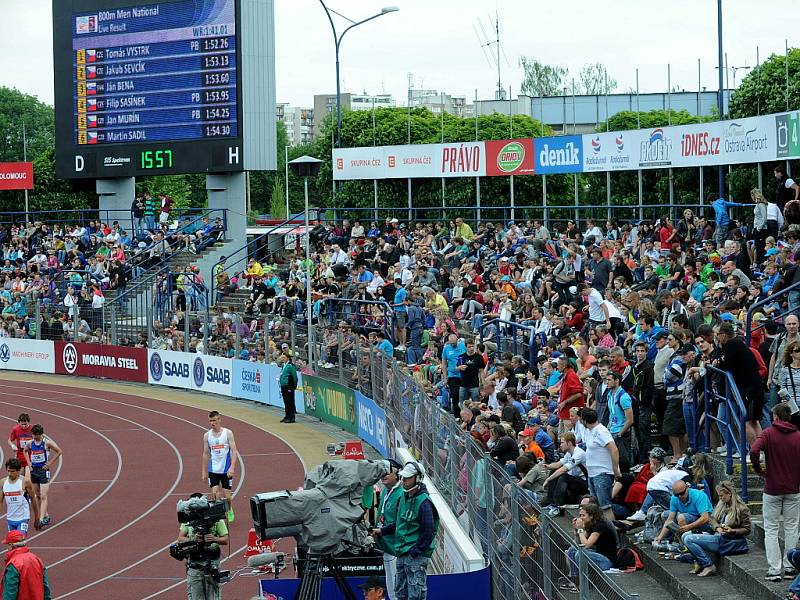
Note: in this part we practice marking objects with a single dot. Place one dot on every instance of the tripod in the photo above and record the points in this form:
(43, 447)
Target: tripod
(311, 581)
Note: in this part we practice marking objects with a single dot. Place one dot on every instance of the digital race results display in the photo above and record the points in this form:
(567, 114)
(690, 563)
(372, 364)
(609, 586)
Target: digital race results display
(147, 88)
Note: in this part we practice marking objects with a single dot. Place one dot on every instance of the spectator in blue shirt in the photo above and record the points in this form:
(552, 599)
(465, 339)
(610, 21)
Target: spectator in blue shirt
(451, 352)
(364, 276)
(400, 311)
(384, 344)
(620, 411)
(542, 438)
(720, 206)
(689, 508)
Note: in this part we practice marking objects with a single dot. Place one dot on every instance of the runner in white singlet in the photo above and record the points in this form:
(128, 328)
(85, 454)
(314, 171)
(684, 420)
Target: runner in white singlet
(18, 510)
(219, 459)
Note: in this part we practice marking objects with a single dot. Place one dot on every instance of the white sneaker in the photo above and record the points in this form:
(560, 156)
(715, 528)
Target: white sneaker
(400, 347)
(637, 516)
(721, 450)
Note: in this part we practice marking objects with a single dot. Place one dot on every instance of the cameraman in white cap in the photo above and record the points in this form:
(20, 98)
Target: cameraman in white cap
(415, 535)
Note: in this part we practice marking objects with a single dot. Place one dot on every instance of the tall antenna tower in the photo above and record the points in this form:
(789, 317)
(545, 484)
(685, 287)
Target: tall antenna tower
(495, 49)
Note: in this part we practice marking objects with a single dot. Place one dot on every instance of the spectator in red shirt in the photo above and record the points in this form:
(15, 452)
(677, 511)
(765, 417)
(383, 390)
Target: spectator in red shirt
(666, 234)
(571, 393)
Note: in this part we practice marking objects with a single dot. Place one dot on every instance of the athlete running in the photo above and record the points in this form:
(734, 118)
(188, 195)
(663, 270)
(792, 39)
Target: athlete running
(42, 454)
(18, 510)
(19, 440)
(219, 459)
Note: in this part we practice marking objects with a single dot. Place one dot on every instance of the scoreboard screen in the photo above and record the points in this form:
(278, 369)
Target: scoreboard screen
(149, 88)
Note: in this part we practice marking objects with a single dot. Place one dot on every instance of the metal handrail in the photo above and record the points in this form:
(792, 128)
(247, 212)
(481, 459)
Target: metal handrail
(736, 413)
(391, 318)
(749, 330)
(246, 250)
(422, 213)
(533, 348)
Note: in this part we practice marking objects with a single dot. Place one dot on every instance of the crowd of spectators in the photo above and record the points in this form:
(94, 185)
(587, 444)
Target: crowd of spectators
(587, 360)
(626, 335)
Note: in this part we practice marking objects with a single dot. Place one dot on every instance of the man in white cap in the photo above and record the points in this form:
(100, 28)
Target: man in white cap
(415, 532)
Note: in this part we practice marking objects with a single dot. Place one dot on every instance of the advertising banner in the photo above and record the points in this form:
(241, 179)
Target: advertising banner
(372, 424)
(612, 151)
(453, 586)
(27, 355)
(330, 402)
(16, 176)
(252, 381)
(561, 154)
(751, 140)
(509, 157)
(462, 159)
(259, 382)
(97, 360)
(199, 372)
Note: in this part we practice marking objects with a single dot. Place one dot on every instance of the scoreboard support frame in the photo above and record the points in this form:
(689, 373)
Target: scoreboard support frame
(116, 196)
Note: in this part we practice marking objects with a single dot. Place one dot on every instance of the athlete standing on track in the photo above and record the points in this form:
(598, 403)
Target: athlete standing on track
(219, 459)
(18, 510)
(19, 440)
(42, 454)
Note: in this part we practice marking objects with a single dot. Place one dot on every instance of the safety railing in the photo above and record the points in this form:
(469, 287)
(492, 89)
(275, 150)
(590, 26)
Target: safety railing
(258, 247)
(551, 213)
(790, 293)
(509, 336)
(366, 316)
(724, 406)
(526, 548)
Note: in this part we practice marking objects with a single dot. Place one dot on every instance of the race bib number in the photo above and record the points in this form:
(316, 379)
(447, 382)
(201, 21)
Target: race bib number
(218, 449)
(38, 457)
(25, 443)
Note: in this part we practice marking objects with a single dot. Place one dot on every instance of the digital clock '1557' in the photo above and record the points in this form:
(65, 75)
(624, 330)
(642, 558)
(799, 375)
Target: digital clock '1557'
(155, 159)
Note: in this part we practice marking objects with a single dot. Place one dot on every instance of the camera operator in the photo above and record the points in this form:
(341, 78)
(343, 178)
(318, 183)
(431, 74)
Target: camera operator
(388, 504)
(201, 584)
(415, 531)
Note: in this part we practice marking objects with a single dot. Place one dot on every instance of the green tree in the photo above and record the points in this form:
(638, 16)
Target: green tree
(277, 202)
(763, 90)
(17, 108)
(595, 80)
(539, 79)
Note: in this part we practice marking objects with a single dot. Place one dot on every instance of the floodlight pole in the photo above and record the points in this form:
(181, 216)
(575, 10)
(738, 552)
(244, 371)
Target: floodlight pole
(337, 39)
(309, 310)
(720, 101)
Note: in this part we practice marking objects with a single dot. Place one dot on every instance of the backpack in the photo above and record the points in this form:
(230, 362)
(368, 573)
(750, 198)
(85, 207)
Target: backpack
(628, 560)
(653, 523)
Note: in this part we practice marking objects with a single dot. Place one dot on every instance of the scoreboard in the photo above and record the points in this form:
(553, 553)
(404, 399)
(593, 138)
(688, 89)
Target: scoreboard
(157, 88)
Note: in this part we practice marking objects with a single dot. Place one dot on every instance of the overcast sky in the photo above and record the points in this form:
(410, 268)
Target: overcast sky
(435, 40)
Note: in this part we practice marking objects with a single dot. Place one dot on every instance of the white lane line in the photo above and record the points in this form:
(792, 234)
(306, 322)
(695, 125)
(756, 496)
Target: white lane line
(125, 429)
(269, 454)
(56, 547)
(84, 481)
(107, 488)
(140, 408)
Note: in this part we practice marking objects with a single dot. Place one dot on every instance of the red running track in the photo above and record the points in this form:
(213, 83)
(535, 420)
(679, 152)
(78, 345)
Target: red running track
(127, 460)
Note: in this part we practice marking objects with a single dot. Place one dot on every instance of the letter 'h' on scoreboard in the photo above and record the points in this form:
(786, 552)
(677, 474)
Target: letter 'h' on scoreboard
(172, 87)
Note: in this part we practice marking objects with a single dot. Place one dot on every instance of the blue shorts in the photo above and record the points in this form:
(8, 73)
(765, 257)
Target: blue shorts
(18, 526)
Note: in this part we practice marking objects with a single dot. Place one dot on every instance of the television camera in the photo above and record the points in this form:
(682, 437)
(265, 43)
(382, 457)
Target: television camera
(325, 518)
(200, 515)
